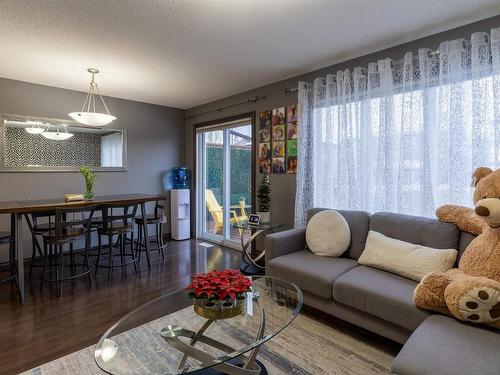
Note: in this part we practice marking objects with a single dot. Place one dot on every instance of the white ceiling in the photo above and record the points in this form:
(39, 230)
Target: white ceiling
(183, 53)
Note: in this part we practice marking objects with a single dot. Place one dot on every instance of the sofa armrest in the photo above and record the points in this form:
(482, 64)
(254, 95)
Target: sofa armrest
(286, 242)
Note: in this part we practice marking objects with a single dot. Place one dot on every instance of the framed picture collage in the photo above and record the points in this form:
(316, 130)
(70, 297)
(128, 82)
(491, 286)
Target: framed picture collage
(278, 134)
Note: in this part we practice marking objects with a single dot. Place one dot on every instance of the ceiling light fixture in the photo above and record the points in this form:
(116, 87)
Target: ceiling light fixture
(88, 114)
(57, 136)
(35, 130)
(34, 127)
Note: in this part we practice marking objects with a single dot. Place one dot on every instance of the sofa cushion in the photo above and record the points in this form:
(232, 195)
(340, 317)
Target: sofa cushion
(380, 293)
(403, 258)
(358, 224)
(328, 234)
(415, 229)
(310, 272)
(445, 346)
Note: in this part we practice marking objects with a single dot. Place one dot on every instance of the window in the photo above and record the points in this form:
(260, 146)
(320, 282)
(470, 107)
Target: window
(401, 136)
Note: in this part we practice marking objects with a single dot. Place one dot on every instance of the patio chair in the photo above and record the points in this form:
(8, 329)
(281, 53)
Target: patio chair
(216, 211)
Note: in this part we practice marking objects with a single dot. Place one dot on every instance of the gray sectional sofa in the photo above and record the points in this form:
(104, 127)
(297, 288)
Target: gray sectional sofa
(382, 302)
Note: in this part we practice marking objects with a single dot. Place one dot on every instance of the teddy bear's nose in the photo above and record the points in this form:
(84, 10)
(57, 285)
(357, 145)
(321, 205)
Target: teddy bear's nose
(482, 211)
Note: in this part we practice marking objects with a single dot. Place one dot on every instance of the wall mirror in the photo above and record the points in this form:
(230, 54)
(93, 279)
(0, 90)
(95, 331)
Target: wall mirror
(35, 144)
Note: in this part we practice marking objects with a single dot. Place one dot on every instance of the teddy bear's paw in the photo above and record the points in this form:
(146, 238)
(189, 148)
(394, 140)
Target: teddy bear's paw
(480, 305)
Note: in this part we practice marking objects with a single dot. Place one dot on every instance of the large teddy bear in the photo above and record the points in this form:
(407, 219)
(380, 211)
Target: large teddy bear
(470, 292)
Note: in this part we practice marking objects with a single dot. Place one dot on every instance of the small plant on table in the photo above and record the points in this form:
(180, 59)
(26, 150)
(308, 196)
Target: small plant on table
(219, 294)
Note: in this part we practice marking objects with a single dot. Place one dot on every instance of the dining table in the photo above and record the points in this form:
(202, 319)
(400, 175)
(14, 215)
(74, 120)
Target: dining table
(22, 208)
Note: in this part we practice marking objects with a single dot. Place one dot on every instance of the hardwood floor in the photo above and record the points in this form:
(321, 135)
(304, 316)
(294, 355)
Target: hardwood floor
(47, 327)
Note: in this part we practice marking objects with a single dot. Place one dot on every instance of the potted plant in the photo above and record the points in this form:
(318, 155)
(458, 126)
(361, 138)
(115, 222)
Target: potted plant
(264, 199)
(219, 294)
(89, 176)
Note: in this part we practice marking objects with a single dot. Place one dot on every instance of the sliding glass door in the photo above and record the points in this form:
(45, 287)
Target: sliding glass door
(210, 189)
(224, 180)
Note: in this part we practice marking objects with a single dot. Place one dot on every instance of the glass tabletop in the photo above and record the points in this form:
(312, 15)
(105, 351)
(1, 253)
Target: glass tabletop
(157, 338)
(266, 226)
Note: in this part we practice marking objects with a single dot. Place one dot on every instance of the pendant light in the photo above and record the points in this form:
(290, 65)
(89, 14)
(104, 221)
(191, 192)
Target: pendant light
(35, 130)
(34, 127)
(57, 136)
(88, 114)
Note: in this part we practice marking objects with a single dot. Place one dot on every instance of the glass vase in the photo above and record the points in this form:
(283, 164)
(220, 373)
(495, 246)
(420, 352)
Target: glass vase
(89, 193)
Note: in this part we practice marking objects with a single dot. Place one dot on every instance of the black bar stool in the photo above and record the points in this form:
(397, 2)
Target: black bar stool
(37, 228)
(117, 224)
(157, 219)
(6, 238)
(67, 231)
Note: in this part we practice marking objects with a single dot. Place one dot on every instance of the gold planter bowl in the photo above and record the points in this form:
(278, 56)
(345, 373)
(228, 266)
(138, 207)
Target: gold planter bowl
(219, 312)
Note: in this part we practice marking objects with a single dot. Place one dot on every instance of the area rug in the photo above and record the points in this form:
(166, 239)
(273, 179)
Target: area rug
(312, 344)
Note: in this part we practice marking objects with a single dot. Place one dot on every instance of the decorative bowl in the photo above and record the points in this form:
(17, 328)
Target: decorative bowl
(219, 311)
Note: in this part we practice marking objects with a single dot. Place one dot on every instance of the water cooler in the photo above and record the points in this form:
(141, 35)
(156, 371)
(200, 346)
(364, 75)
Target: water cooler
(180, 207)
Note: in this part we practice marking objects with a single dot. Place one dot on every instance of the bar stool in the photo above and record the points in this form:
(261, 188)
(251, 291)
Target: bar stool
(6, 238)
(37, 229)
(67, 231)
(120, 225)
(156, 219)
(94, 225)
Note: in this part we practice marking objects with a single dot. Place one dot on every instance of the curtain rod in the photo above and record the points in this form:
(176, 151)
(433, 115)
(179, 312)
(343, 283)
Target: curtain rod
(253, 99)
(465, 43)
(291, 90)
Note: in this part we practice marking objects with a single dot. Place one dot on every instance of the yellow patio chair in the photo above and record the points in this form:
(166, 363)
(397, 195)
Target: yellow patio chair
(216, 211)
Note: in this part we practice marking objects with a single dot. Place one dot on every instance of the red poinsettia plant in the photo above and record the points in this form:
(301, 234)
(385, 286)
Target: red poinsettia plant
(219, 285)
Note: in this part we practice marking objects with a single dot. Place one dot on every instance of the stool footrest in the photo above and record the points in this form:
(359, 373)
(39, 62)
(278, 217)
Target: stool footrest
(117, 265)
(90, 268)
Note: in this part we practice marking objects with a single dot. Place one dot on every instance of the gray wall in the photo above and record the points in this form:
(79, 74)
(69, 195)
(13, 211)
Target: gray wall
(283, 185)
(155, 144)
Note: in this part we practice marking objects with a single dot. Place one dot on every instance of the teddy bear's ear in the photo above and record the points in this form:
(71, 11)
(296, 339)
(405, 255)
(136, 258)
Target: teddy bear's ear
(479, 173)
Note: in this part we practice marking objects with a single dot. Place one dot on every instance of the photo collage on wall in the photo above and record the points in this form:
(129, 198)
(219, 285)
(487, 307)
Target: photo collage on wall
(278, 135)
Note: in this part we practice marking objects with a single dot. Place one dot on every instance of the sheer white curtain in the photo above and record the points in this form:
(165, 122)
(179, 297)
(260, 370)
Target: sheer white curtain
(401, 136)
(112, 150)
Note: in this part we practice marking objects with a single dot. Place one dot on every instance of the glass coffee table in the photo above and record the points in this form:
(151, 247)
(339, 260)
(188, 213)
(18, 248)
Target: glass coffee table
(165, 336)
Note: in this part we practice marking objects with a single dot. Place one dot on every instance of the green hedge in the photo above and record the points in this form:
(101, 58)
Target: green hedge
(240, 174)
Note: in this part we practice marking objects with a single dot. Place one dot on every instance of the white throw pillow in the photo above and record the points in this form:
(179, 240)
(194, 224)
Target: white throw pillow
(328, 234)
(404, 258)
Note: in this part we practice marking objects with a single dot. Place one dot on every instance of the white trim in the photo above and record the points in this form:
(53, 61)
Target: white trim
(226, 185)
(235, 245)
(225, 125)
(215, 238)
(201, 162)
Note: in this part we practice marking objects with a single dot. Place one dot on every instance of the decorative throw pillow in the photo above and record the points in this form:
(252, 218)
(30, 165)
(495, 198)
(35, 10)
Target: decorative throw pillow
(404, 258)
(328, 234)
